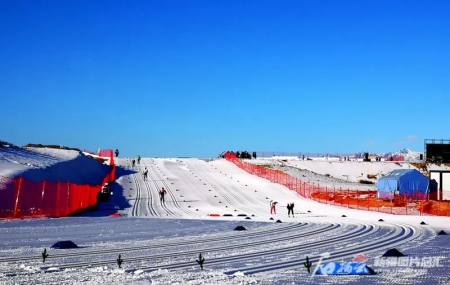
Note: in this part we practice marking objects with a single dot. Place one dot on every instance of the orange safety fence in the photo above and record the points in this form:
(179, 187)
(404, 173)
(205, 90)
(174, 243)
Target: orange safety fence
(21, 197)
(350, 198)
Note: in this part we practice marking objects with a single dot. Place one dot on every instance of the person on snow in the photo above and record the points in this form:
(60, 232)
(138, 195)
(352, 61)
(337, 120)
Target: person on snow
(162, 192)
(290, 208)
(117, 152)
(139, 159)
(133, 162)
(273, 210)
(145, 173)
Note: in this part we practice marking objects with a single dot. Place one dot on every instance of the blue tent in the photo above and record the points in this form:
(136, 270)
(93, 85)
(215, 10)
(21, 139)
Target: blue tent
(408, 183)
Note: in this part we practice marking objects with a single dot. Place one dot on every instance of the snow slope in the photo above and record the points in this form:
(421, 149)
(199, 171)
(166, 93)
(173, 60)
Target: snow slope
(347, 171)
(49, 164)
(160, 241)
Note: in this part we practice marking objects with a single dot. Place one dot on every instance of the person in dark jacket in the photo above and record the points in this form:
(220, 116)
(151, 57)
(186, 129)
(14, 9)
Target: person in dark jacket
(162, 193)
(290, 209)
(145, 173)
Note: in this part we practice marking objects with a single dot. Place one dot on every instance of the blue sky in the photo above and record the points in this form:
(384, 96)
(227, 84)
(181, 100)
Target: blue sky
(195, 78)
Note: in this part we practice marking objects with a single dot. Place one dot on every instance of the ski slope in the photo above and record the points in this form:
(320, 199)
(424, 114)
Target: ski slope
(159, 241)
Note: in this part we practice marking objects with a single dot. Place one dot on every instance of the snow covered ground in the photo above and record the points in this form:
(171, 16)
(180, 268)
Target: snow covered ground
(49, 164)
(159, 241)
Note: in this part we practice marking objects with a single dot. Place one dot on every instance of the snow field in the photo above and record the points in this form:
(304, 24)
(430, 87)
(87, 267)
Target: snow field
(160, 241)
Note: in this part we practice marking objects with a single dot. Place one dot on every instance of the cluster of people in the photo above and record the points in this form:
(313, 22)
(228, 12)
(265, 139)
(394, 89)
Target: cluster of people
(273, 208)
(133, 162)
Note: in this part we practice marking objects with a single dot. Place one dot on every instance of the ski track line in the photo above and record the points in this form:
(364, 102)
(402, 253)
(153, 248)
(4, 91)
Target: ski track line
(400, 237)
(242, 187)
(358, 232)
(233, 236)
(258, 254)
(321, 230)
(169, 191)
(137, 198)
(163, 204)
(212, 183)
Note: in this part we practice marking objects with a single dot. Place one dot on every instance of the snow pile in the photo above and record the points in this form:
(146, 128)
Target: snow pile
(14, 160)
(55, 152)
(37, 164)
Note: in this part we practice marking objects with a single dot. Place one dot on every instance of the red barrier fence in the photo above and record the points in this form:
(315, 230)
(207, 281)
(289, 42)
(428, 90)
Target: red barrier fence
(20, 197)
(364, 200)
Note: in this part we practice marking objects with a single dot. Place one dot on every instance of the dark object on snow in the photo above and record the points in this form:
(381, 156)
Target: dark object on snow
(271, 219)
(117, 152)
(105, 193)
(423, 223)
(200, 261)
(393, 252)
(442, 233)
(242, 215)
(344, 216)
(366, 157)
(227, 215)
(278, 222)
(248, 218)
(65, 244)
(119, 261)
(309, 211)
(371, 271)
(381, 220)
(240, 228)
(44, 255)
(253, 215)
(308, 264)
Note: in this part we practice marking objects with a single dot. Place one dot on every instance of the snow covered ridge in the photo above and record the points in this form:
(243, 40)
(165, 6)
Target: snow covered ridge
(50, 164)
(406, 155)
(48, 182)
(347, 171)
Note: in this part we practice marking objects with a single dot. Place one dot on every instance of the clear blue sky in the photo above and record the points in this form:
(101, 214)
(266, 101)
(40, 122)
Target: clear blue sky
(195, 78)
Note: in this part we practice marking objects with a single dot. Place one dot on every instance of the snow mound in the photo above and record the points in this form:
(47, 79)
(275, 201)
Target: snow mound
(65, 244)
(393, 253)
(55, 165)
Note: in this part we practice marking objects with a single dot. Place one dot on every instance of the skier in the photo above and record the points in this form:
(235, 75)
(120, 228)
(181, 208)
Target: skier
(162, 192)
(291, 209)
(117, 152)
(145, 173)
(273, 209)
(288, 206)
(139, 159)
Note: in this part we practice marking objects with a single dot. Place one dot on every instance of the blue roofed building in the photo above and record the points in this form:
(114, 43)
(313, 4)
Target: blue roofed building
(408, 183)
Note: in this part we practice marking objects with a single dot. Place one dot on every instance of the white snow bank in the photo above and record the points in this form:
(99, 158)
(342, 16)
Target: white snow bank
(39, 164)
